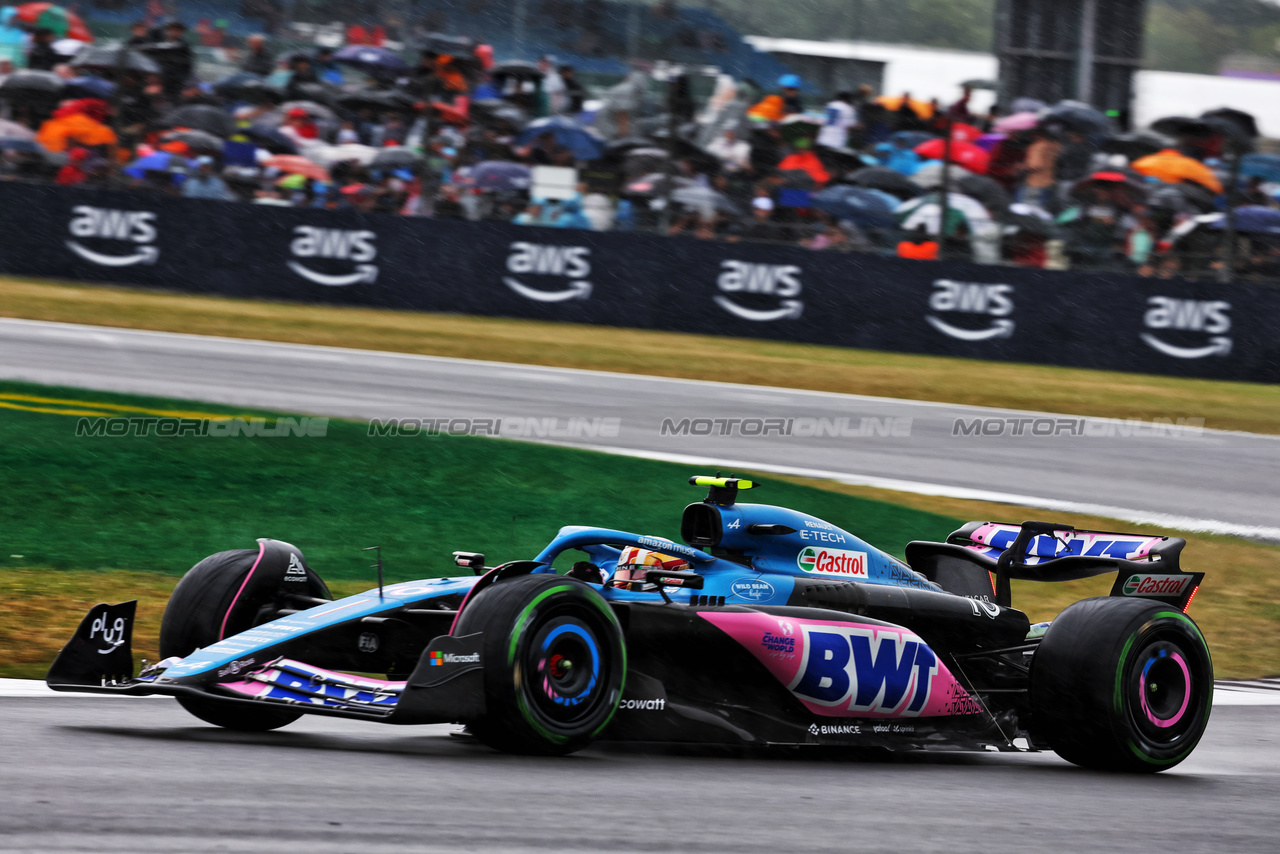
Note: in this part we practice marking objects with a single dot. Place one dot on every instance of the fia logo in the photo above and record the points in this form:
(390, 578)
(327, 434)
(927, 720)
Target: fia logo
(338, 244)
(1188, 315)
(537, 259)
(778, 280)
(993, 301)
(136, 227)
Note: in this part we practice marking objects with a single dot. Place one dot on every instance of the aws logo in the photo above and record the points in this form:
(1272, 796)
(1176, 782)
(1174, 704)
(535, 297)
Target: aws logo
(770, 280)
(338, 244)
(537, 259)
(1188, 315)
(134, 227)
(993, 301)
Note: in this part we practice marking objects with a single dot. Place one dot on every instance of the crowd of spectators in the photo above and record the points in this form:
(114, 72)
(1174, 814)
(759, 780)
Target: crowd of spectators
(455, 134)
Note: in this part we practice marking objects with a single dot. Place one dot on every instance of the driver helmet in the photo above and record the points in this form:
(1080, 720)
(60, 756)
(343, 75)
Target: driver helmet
(634, 565)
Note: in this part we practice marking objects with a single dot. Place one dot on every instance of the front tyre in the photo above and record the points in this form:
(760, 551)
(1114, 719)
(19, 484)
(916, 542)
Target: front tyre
(554, 663)
(1122, 685)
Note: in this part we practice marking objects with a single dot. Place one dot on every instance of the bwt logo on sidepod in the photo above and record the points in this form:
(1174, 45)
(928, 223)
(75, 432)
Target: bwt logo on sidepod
(337, 244)
(136, 227)
(1188, 315)
(771, 280)
(866, 670)
(537, 259)
(994, 301)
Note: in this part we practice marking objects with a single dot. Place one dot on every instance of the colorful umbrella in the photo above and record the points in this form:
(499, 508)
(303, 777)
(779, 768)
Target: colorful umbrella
(1016, 122)
(63, 23)
(1173, 167)
(965, 154)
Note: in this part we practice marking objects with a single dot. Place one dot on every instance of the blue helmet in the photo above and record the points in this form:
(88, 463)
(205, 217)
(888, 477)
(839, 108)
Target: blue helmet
(789, 81)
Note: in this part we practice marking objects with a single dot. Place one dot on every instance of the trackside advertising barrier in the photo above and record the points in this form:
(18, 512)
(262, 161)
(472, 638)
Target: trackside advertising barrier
(1088, 320)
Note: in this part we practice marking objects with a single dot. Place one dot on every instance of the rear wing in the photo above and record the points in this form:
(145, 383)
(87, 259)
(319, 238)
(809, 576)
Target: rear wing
(1145, 566)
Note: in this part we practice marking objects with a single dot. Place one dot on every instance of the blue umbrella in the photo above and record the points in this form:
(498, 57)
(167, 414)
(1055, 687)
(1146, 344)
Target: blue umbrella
(1264, 166)
(161, 161)
(91, 87)
(374, 61)
(861, 206)
(583, 143)
(26, 146)
(1253, 219)
(912, 138)
(499, 175)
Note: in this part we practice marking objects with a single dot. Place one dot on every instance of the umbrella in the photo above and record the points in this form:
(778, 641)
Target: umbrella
(376, 99)
(988, 141)
(966, 154)
(68, 47)
(1264, 166)
(1027, 105)
(1016, 122)
(161, 161)
(295, 165)
(1137, 144)
(584, 144)
(986, 190)
(492, 110)
(397, 157)
(90, 87)
(1077, 116)
(268, 138)
(203, 117)
(1176, 126)
(196, 140)
(441, 43)
(521, 70)
(1182, 197)
(316, 111)
(26, 146)
(911, 138)
(62, 22)
(245, 86)
(112, 59)
(642, 161)
(886, 179)
(1174, 167)
(929, 176)
(374, 61)
(981, 84)
(1253, 219)
(927, 211)
(863, 207)
(26, 85)
(965, 132)
(704, 200)
(1029, 219)
(1242, 124)
(618, 148)
(327, 155)
(1135, 192)
(839, 159)
(657, 184)
(500, 175)
(800, 126)
(13, 130)
(319, 93)
(923, 109)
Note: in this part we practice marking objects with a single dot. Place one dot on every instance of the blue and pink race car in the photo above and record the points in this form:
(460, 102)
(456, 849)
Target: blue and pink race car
(766, 626)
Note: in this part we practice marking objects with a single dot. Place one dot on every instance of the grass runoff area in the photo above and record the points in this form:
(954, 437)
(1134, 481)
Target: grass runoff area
(102, 518)
(1224, 405)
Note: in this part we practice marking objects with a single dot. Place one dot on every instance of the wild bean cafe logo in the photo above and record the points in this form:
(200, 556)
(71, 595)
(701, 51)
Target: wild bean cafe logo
(1199, 327)
(760, 292)
(345, 256)
(989, 304)
(119, 238)
(567, 266)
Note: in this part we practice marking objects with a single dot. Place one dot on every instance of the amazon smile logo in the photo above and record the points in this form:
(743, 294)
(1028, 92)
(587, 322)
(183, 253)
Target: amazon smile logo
(1188, 315)
(743, 278)
(562, 262)
(135, 228)
(991, 301)
(336, 244)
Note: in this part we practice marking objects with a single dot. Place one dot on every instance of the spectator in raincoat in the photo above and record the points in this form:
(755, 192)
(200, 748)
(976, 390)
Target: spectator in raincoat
(81, 122)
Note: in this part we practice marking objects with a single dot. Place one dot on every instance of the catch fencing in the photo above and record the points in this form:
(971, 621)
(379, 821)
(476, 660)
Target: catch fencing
(1088, 320)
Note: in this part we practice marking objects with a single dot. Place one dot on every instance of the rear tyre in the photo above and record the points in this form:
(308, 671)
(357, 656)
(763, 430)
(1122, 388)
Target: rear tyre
(554, 663)
(211, 602)
(1122, 685)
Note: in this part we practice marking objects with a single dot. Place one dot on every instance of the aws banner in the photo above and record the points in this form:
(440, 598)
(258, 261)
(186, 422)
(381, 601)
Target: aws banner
(1105, 321)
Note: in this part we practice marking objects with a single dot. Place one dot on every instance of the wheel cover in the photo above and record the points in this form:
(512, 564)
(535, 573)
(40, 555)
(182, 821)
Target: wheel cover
(566, 672)
(1165, 693)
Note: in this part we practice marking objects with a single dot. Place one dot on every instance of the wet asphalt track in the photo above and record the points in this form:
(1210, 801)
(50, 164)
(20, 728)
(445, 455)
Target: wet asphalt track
(119, 775)
(1216, 481)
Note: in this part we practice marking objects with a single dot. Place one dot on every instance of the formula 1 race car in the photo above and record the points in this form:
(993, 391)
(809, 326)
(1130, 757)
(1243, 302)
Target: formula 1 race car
(770, 627)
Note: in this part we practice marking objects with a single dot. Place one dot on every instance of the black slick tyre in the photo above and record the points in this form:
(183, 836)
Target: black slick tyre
(1122, 685)
(216, 599)
(554, 663)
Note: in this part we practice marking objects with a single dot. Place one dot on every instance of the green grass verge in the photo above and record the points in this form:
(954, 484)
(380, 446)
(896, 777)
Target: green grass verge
(1223, 405)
